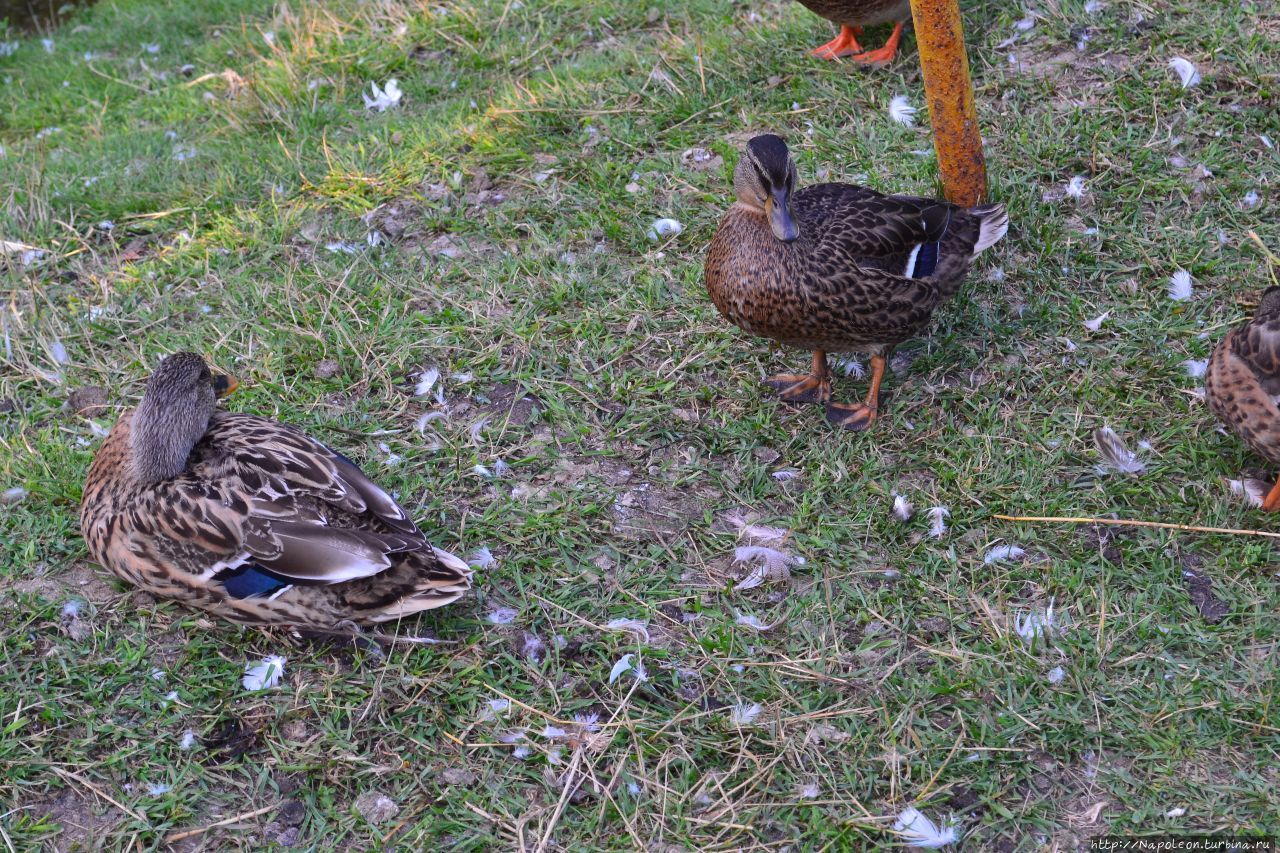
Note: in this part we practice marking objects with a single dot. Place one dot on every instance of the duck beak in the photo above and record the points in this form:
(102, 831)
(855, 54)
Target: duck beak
(224, 384)
(777, 208)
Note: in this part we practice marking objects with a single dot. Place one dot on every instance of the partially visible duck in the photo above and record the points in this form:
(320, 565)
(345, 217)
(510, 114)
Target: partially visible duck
(1242, 384)
(852, 16)
(251, 519)
(837, 268)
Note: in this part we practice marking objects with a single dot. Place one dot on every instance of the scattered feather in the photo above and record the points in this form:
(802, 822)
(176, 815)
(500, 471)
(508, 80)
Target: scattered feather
(1253, 491)
(748, 620)
(172, 696)
(521, 752)
(1075, 187)
(664, 228)
(427, 380)
(1096, 323)
(850, 367)
(265, 674)
(1185, 70)
(481, 470)
(72, 609)
(58, 352)
(628, 663)
(501, 468)
(553, 732)
(631, 626)
(475, 430)
(1116, 457)
(743, 714)
(785, 474)
(502, 616)
(938, 516)
(1250, 200)
(757, 533)
(1175, 812)
(1180, 284)
(532, 647)
(774, 565)
(482, 558)
(1036, 624)
(187, 741)
(1056, 675)
(919, 831)
(1002, 553)
(391, 458)
(1025, 23)
(902, 509)
(1266, 140)
(426, 418)
(901, 111)
(1093, 7)
(13, 495)
(158, 789)
(384, 98)
(1195, 368)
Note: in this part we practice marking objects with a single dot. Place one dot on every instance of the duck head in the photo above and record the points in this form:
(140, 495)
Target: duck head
(764, 180)
(174, 414)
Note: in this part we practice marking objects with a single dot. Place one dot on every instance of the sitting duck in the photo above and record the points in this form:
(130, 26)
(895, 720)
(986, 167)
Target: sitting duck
(1242, 382)
(251, 519)
(852, 16)
(837, 268)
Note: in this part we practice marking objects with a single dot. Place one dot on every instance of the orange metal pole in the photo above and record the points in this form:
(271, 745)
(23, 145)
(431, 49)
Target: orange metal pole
(940, 37)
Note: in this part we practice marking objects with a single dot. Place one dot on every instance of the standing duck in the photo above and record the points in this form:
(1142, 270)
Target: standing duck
(251, 519)
(852, 16)
(1243, 380)
(836, 268)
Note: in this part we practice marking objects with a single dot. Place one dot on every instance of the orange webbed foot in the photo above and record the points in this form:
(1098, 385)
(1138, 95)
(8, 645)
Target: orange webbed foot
(845, 44)
(800, 388)
(851, 416)
(883, 55)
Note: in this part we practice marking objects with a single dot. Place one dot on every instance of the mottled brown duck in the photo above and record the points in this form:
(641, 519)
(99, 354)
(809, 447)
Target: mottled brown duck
(837, 268)
(852, 16)
(251, 519)
(1242, 384)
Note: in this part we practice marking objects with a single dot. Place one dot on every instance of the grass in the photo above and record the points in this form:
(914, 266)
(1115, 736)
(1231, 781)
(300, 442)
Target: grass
(634, 424)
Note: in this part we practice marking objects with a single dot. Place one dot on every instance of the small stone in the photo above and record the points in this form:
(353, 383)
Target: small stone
(376, 807)
(89, 401)
(327, 369)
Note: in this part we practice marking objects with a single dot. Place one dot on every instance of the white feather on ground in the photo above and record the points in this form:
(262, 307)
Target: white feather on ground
(938, 516)
(901, 111)
(1186, 71)
(1195, 367)
(383, 98)
(664, 228)
(1038, 623)
(1116, 457)
(263, 675)
(502, 616)
(426, 381)
(1075, 187)
(628, 663)
(1096, 323)
(630, 626)
(1001, 553)
(482, 558)
(917, 830)
(1253, 491)
(1180, 286)
(744, 714)
(758, 533)
(902, 509)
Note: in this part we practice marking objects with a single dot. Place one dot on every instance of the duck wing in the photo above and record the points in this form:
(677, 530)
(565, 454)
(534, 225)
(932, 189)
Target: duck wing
(262, 505)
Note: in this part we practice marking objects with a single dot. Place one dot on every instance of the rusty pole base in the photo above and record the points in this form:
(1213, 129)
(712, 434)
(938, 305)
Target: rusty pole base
(947, 87)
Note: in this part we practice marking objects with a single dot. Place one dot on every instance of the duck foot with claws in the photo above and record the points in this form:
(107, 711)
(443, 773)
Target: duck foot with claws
(801, 388)
(845, 44)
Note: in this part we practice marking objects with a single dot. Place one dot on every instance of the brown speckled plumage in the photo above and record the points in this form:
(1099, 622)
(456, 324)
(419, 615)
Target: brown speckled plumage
(261, 502)
(841, 284)
(860, 13)
(1243, 379)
